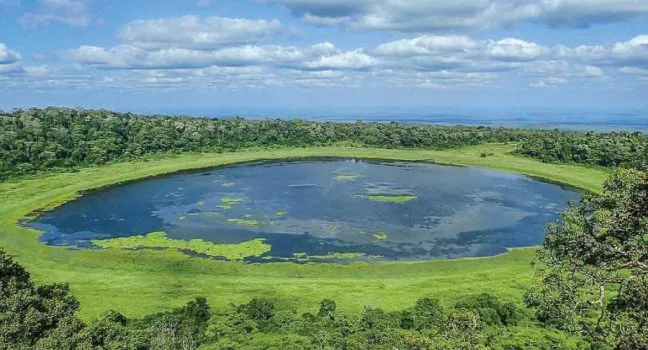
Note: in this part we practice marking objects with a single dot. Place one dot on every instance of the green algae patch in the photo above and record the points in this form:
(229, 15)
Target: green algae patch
(400, 199)
(159, 240)
(182, 218)
(228, 184)
(380, 236)
(228, 202)
(281, 213)
(244, 222)
(347, 177)
(201, 202)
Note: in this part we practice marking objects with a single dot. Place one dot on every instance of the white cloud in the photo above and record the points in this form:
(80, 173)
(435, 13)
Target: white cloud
(196, 32)
(47, 77)
(512, 49)
(640, 73)
(631, 53)
(354, 60)
(70, 12)
(426, 45)
(325, 48)
(212, 51)
(451, 52)
(460, 15)
(8, 56)
(549, 82)
(561, 68)
(10, 62)
(131, 57)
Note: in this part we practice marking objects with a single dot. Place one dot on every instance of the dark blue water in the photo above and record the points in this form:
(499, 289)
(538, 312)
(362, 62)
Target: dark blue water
(323, 207)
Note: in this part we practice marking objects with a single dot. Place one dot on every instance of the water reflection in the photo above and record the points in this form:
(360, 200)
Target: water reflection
(392, 210)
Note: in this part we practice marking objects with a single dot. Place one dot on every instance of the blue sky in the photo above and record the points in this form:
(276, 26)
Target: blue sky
(244, 55)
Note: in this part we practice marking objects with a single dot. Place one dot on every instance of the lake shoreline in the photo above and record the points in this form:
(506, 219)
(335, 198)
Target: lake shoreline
(133, 281)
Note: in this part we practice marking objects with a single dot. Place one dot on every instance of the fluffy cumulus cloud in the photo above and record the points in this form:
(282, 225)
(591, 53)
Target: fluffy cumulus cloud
(511, 49)
(70, 12)
(460, 15)
(629, 57)
(130, 57)
(195, 32)
(439, 52)
(233, 53)
(201, 50)
(15, 74)
(8, 56)
(9, 60)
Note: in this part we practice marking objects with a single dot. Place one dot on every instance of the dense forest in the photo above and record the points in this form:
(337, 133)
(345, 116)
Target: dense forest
(60, 138)
(592, 271)
(601, 149)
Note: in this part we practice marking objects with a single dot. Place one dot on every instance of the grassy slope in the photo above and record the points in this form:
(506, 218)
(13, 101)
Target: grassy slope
(141, 282)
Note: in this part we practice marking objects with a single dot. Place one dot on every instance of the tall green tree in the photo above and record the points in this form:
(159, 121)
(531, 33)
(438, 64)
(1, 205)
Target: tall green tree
(594, 265)
(32, 316)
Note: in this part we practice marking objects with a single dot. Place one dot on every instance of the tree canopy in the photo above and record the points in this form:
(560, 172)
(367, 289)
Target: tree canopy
(44, 317)
(594, 265)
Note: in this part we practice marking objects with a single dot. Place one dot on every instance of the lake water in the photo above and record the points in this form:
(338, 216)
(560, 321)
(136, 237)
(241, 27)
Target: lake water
(376, 210)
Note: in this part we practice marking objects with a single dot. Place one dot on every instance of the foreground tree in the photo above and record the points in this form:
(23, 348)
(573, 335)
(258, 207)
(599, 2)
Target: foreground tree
(34, 317)
(594, 266)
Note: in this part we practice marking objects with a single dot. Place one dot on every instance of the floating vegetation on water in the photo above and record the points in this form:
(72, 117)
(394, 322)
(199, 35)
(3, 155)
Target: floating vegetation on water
(339, 256)
(400, 199)
(330, 256)
(243, 222)
(347, 177)
(201, 202)
(159, 240)
(281, 213)
(228, 202)
(182, 218)
(247, 216)
(380, 236)
(228, 184)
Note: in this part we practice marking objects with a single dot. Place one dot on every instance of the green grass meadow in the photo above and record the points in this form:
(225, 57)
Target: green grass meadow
(139, 282)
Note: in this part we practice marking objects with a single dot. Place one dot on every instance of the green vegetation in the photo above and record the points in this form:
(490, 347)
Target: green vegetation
(607, 150)
(387, 198)
(228, 202)
(588, 292)
(329, 257)
(380, 236)
(480, 321)
(243, 222)
(136, 279)
(52, 139)
(158, 240)
(346, 177)
(228, 184)
(595, 266)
